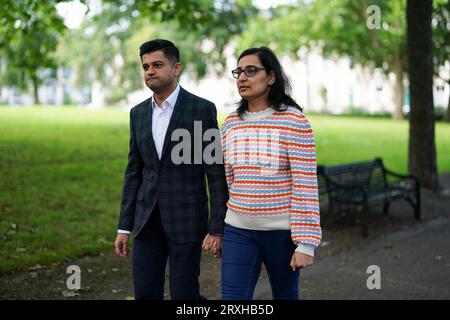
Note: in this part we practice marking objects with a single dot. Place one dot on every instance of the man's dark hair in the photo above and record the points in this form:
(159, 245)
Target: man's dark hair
(168, 48)
(280, 92)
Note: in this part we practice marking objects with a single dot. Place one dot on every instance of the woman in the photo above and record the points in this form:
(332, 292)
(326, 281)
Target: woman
(273, 210)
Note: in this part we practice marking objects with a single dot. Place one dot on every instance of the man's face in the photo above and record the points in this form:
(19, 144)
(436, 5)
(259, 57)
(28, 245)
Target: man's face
(160, 73)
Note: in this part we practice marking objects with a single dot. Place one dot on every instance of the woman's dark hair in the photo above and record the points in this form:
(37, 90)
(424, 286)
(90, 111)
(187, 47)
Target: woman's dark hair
(280, 92)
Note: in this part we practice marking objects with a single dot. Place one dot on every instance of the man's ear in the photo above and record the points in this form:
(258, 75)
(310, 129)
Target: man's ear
(178, 67)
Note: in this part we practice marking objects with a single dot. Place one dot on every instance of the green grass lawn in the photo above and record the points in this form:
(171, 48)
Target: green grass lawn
(61, 174)
(349, 139)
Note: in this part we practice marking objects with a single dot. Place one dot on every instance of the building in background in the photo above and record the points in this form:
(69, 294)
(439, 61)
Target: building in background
(319, 85)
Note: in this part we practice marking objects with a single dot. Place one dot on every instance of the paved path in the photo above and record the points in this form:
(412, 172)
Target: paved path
(414, 264)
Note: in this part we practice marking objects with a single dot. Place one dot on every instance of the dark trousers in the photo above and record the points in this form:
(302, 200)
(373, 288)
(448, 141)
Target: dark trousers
(151, 249)
(244, 251)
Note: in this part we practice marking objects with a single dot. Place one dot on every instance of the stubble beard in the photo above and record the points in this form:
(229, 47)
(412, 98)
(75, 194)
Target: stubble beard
(157, 86)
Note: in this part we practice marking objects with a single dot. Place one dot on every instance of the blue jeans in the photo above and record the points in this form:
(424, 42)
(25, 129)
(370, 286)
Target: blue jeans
(243, 253)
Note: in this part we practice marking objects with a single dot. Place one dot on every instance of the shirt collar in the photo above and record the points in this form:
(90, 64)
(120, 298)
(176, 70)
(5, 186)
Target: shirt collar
(170, 101)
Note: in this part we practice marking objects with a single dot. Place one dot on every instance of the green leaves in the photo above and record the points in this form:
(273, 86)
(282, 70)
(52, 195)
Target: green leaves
(29, 33)
(106, 48)
(336, 27)
(441, 35)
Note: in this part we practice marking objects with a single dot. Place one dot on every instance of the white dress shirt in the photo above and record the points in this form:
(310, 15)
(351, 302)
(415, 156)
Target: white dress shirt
(161, 118)
(160, 122)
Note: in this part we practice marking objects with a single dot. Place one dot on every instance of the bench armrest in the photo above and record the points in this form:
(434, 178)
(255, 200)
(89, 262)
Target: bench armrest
(398, 175)
(405, 177)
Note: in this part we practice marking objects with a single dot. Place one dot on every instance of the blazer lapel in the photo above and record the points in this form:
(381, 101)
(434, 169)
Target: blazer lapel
(148, 124)
(178, 110)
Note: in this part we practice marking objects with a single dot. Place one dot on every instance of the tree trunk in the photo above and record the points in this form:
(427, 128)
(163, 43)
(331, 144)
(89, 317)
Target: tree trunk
(398, 89)
(35, 81)
(422, 147)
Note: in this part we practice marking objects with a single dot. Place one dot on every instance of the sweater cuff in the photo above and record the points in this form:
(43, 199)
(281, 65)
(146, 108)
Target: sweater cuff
(308, 250)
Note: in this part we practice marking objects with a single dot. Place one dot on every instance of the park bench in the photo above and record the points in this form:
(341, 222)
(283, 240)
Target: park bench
(360, 186)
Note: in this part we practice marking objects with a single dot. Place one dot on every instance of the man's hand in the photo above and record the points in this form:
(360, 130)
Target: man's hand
(213, 244)
(301, 260)
(120, 245)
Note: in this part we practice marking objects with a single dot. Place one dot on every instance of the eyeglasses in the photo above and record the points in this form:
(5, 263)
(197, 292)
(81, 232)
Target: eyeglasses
(249, 71)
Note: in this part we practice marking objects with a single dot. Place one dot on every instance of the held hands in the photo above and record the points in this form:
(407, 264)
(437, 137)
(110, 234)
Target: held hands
(300, 260)
(120, 245)
(213, 244)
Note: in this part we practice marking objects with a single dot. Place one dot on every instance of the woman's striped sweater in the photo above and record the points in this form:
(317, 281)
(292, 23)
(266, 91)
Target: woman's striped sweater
(270, 166)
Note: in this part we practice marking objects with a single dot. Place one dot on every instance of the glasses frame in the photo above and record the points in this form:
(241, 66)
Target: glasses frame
(237, 72)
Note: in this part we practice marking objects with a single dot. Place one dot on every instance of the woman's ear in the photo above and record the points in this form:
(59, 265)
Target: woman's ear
(272, 78)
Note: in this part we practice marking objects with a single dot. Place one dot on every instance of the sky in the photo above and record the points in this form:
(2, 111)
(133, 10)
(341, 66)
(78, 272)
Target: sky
(74, 11)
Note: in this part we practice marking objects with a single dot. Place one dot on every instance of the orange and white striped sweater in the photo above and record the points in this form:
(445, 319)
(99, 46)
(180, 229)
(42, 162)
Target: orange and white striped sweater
(271, 171)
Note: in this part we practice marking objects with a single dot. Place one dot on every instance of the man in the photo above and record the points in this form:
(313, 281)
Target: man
(163, 203)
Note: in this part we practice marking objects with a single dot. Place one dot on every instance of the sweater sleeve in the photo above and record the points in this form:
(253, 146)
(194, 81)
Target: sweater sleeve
(226, 143)
(305, 213)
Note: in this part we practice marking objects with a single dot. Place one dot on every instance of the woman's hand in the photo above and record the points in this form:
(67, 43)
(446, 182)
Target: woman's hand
(301, 260)
(213, 244)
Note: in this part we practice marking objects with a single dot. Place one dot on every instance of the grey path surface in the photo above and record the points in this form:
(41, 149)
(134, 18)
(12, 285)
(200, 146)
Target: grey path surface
(413, 256)
(414, 264)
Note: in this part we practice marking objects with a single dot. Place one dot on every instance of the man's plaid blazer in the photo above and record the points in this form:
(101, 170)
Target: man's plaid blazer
(181, 190)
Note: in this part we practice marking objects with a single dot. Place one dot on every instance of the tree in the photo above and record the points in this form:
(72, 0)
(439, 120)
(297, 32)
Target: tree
(441, 42)
(341, 27)
(422, 148)
(29, 33)
(201, 30)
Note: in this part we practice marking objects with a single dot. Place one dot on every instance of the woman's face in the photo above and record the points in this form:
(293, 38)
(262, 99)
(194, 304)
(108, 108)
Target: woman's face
(256, 86)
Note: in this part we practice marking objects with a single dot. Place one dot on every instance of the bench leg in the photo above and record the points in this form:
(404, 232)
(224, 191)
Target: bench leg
(386, 207)
(417, 213)
(416, 206)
